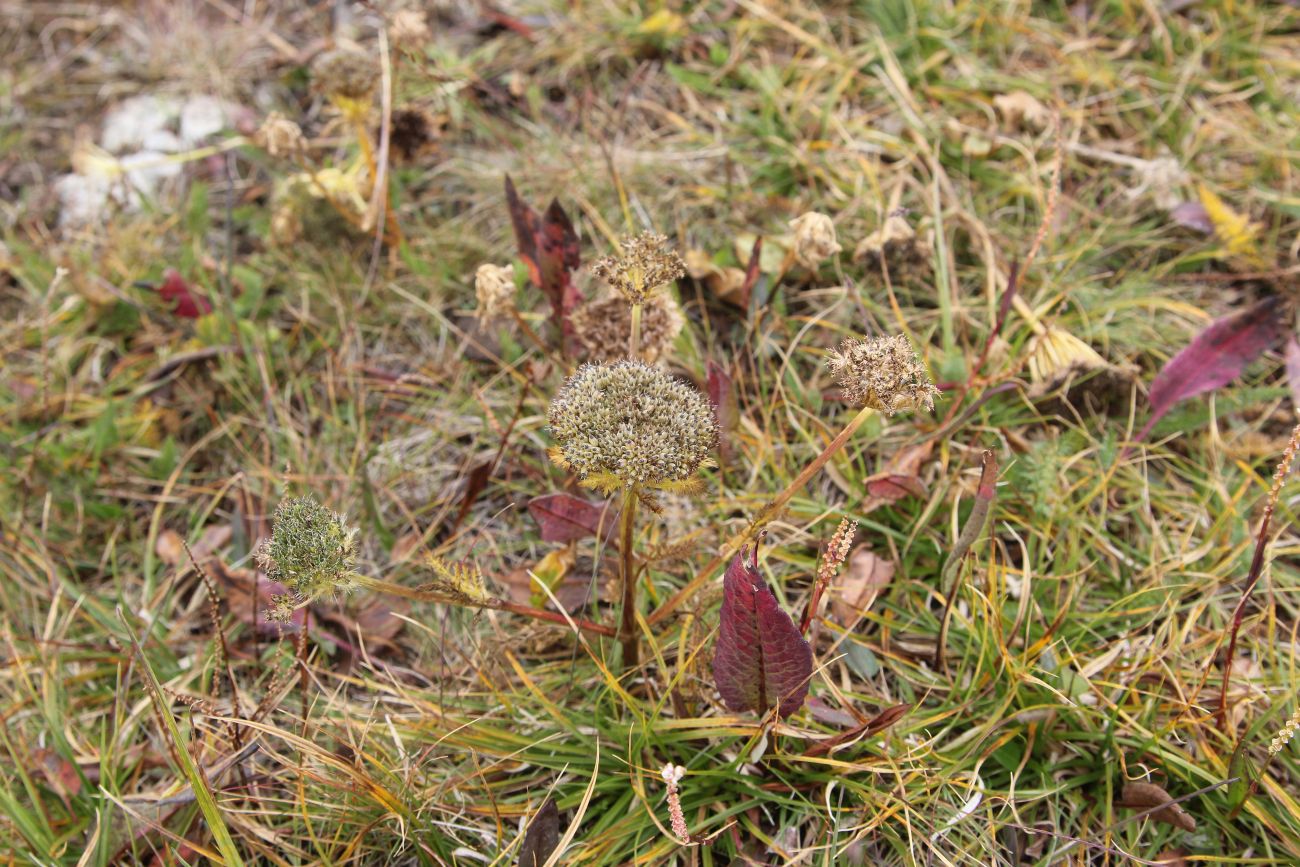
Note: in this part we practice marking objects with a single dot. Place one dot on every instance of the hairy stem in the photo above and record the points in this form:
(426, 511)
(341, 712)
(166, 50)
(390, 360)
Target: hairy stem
(627, 628)
(768, 512)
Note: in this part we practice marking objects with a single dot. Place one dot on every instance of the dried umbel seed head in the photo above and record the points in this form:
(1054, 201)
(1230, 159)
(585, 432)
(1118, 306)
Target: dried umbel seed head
(415, 133)
(896, 246)
(630, 423)
(409, 30)
(312, 550)
(346, 75)
(814, 239)
(279, 136)
(883, 373)
(645, 263)
(602, 327)
(494, 286)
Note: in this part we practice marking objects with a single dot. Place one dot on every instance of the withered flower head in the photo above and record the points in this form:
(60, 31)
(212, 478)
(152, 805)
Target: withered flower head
(312, 550)
(646, 263)
(494, 286)
(814, 239)
(602, 326)
(630, 423)
(883, 373)
(346, 75)
(279, 136)
(409, 29)
(415, 132)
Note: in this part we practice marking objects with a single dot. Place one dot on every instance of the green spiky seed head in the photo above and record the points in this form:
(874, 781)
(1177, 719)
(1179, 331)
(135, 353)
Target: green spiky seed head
(629, 421)
(312, 550)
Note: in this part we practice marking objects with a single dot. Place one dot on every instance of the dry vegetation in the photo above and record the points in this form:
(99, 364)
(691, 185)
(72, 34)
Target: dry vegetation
(1011, 677)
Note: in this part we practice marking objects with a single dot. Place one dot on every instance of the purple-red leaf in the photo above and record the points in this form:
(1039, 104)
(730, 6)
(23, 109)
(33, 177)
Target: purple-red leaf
(187, 302)
(1192, 215)
(1293, 370)
(564, 517)
(761, 660)
(723, 397)
(548, 246)
(1217, 356)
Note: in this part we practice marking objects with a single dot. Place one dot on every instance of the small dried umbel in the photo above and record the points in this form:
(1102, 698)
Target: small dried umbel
(280, 137)
(882, 373)
(409, 30)
(602, 326)
(629, 423)
(346, 76)
(312, 551)
(646, 263)
(494, 286)
(896, 246)
(814, 239)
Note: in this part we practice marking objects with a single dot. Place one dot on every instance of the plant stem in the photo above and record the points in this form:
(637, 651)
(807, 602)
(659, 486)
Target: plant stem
(768, 512)
(634, 339)
(627, 628)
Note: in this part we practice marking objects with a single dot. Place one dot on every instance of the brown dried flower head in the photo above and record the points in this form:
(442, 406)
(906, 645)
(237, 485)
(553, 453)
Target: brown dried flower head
(897, 247)
(494, 286)
(814, 239)
(279, 136)
(345, 75)
(883, 373)
(602, 326)
(630, 423)
(645, 264)
(409, 29)
(414, 133)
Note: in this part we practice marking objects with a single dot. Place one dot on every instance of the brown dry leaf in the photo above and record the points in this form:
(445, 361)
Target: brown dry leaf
(865, 578)
(573, 587)
(1173, 858)
(901, 474)
(169, 547)
(1143, 796)
(59, 773)
(1020, 109)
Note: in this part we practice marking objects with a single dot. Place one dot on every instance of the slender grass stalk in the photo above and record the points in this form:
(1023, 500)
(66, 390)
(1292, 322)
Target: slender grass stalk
(634, 337)
(768, 512)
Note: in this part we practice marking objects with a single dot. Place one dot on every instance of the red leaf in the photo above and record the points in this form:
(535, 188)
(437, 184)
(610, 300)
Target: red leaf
(873, 726)
(723, 397)
(188, 302)
(1192, 215)
(564, 517)
(1217, 356)
(549, 248)
(760, 660)
(751, 273)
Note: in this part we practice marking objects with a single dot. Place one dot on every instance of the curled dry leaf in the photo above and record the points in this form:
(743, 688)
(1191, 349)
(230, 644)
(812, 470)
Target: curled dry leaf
(901, 474)
(865, 578)
(1144, 796)
(761, 660)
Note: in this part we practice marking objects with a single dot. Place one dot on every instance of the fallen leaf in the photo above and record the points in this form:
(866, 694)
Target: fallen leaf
(760, 660)
(1144, 796)
(61, 774)
(564, 517)
(248, 594)
(542, 837)
(824, 713)
(873, 726)
(1192, 215)
(1021, 109)
(169, 547)
(1215, 357)
(866, 576)
(188, 302)
(551, 570)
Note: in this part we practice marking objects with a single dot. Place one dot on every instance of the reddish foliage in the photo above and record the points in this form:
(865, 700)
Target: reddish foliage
(188, 302)
(564, 517)
(549, 248)
(1217, 356)
(722, 395)
(761, 660)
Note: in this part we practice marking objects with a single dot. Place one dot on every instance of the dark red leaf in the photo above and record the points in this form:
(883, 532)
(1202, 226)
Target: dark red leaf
(542, 837)
(188, 302)
(474, 485)
(723, 397)
(549, 248)
(760, 660)
(564, 517)
(1217, 356)
(873, 726)
(751, 274)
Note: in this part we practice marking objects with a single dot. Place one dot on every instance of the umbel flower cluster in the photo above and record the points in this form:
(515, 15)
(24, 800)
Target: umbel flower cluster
(312, 552)
(629, 423)
(602, 326)
(882, 373)
(645, 263)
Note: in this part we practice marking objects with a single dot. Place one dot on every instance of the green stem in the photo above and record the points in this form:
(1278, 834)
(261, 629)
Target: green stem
(627, 629)
(768, 512)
